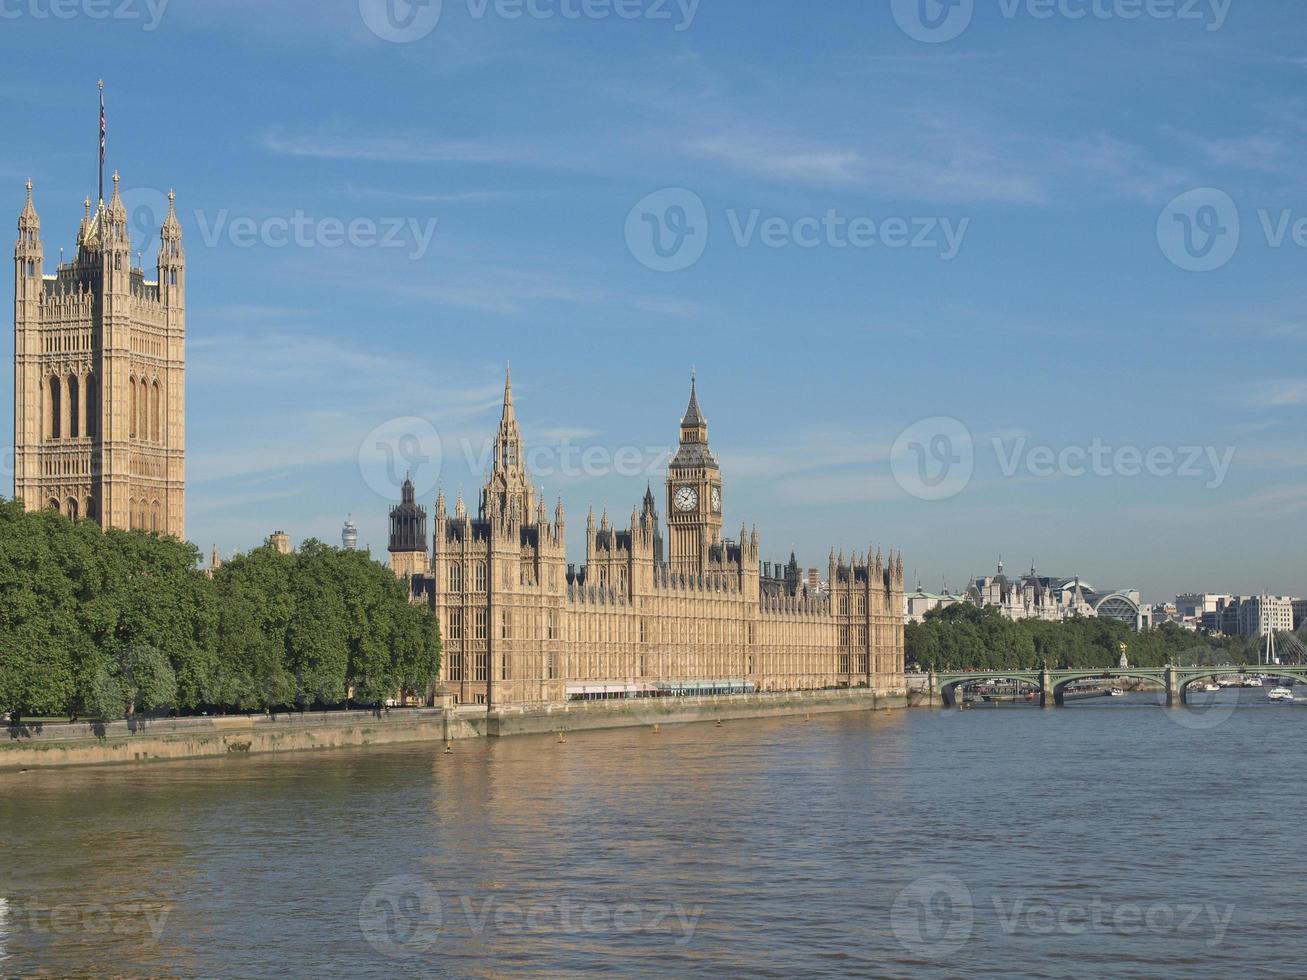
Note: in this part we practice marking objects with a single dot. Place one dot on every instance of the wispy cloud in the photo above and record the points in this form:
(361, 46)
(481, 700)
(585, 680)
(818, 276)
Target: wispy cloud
(1283, 393)
(393, 148)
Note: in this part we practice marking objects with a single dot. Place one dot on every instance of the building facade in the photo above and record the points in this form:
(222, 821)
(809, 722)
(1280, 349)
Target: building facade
(1053, 599)
(522, 626)
(99, 374)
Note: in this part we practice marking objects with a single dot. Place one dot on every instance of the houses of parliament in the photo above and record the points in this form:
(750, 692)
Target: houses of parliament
(645, 616)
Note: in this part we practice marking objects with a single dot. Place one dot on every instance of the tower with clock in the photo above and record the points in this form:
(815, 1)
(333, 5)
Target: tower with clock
(694, 495)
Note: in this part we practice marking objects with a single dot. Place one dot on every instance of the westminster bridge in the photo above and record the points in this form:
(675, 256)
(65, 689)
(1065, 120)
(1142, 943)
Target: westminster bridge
(1051, 683)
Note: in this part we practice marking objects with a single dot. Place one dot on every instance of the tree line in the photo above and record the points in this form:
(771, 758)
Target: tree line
(965, 636)
(105, 623)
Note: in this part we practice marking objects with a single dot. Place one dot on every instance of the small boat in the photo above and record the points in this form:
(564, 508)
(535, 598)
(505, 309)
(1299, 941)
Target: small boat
(1281, 694)
(1211, 688)
(1116, 692)
(1252, 682)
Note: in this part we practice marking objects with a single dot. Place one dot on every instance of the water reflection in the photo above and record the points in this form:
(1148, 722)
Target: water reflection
(904, 843)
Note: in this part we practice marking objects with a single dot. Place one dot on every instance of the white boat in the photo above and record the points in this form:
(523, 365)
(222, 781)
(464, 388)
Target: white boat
(1281, 694)
(1252, 682)
(1211, 688)
(1116, 692)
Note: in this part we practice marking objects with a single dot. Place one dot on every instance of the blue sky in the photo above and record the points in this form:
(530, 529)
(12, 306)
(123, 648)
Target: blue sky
(1058, 319)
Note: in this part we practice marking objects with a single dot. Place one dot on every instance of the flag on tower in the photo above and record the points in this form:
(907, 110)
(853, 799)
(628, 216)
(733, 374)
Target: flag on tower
(102, 139)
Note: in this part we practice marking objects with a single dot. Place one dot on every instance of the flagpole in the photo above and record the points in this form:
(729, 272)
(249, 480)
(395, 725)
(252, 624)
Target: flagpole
(102, 141)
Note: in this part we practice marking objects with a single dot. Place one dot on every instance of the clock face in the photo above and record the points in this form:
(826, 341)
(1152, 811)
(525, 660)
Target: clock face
(716, 500)
(686, 499)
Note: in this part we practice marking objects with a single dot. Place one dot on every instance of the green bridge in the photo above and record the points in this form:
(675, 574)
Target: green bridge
(1051, 683)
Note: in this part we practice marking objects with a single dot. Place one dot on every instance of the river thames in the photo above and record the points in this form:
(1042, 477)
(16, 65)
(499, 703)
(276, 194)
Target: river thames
(1108, 838)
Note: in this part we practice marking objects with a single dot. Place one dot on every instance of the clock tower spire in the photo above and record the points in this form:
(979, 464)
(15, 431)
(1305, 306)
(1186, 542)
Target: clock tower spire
(694, 493)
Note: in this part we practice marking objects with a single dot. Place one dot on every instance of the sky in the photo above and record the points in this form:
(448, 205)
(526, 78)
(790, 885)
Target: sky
(992, 278)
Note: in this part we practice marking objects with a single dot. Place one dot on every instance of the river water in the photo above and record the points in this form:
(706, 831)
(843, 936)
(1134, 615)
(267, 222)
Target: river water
(1108, 838)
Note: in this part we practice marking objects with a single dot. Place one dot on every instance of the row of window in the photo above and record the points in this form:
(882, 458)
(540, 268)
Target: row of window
(71, 406)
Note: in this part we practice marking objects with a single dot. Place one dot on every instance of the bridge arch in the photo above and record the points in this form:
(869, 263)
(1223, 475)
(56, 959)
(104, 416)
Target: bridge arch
(948, 684)
(1065, 678)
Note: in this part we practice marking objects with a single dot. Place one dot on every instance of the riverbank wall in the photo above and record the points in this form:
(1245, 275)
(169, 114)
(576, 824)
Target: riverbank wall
(40, 745)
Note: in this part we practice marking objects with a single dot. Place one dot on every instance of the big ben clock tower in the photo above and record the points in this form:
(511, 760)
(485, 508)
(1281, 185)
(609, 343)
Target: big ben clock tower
(694, 494)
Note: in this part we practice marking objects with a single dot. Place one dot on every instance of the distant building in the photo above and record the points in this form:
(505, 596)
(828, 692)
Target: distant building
(1054, 599)
(920, 602)
(1245, 615)
(349, 535)
(280, 540)
(1299, 613)
(1259, 615)
(522, 626)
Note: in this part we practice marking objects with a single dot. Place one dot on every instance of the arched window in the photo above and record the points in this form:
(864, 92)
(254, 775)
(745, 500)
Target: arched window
(72, 508)
(131, 425)
(56, 408)
(156, 518)
(74, 407)
(54, 506)
(480, 582)
(143, 425)
(456, 577)
(156, 411)
(92, 398)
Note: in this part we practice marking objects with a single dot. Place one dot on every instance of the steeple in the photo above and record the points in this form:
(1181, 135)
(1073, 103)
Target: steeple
(29, 220)
(694, 427)
(508, 491)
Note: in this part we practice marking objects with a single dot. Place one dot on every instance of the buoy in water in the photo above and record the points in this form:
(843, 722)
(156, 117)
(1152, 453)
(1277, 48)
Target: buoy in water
(561, 738)
(657, 729)
(449, 748)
